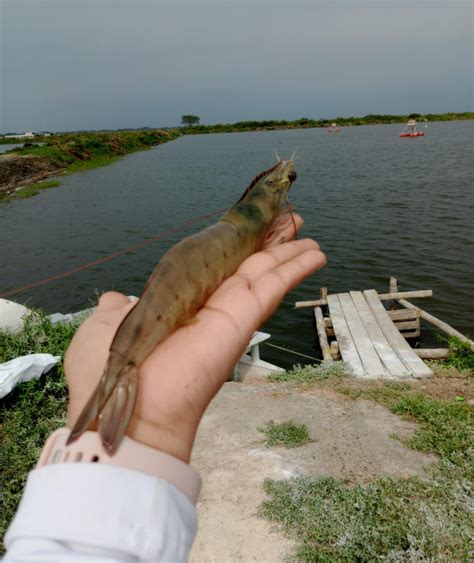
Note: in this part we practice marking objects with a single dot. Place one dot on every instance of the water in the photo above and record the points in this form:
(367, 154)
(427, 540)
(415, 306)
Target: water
(379, 206)
(9, 147)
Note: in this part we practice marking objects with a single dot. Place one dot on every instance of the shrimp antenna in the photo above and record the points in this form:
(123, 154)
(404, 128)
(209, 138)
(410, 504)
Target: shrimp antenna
(292, 217)
(277, 155)
(293, 156)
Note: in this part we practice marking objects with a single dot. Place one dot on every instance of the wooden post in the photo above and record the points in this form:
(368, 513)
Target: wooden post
(323, 339)
(432, 353)
(393, 285)
(323, 292)
(438, 323)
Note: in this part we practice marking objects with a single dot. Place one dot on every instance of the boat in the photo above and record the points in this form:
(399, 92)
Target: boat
(410, 130)
(333, 128)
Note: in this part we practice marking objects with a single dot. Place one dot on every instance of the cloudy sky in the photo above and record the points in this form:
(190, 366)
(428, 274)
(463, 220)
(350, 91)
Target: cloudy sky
(91, 64)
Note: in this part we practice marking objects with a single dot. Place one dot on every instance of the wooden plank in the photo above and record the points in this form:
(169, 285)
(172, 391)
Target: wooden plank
(408, 325)
(381, 296)
(404, 294)
(346, 345)
(399, 344)
(370, 361)
(403, 314)
(390, 359)
(323, 339)
(411, 334)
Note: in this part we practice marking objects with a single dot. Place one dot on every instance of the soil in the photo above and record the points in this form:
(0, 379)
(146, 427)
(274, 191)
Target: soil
(352, 440)
(20, 170)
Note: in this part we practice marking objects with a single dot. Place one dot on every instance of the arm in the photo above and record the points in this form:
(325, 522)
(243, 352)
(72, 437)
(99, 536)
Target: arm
(178, 380)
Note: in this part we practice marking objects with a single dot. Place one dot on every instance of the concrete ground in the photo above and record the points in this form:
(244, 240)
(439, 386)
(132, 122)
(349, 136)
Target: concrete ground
(351, 439)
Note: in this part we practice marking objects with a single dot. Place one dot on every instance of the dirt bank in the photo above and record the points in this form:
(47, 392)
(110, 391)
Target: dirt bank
(351, 439)
(20, 170)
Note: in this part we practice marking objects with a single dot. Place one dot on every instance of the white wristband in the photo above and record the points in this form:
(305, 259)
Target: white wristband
(131, 455)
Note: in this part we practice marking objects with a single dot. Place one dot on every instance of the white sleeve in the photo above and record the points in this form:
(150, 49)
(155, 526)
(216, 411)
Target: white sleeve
(90, 512)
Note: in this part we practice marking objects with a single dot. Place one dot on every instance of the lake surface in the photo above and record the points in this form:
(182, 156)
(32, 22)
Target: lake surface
(9, 147)
(379, 205)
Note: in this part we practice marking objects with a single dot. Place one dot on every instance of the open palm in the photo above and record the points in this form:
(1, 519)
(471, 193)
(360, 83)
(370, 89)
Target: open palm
(185, 371)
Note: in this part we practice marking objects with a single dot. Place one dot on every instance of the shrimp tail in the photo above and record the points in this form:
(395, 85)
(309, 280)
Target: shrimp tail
(115, 417)
(112, 402)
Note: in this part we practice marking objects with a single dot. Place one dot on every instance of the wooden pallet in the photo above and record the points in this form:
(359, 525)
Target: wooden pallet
(369, 340)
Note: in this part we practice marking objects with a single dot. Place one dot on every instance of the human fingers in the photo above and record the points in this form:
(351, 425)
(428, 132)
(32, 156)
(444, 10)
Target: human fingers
(112, 300)
(271, 286)
(254, 266)
(284, 229)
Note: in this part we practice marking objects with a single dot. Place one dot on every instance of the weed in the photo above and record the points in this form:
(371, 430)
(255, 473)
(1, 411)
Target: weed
(461, 355)
(306, 375)
(287, 434)
(389, 519)
(30, 190)
(32, 410)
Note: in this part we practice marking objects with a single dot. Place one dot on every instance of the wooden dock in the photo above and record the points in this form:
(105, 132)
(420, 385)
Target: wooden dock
(371, 338)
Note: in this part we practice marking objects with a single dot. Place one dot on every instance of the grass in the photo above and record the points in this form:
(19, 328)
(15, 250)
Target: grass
(286, 434)
(30, 190)
(427, 518)
(32, 410)
(461, 355)
(83, 165)
(70, 153)
(310, 374)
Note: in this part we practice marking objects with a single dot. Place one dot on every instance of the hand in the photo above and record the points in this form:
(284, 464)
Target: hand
(185, 371)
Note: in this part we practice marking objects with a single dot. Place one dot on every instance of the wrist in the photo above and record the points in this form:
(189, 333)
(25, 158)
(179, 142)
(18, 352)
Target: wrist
(131, 455)
(165, 438)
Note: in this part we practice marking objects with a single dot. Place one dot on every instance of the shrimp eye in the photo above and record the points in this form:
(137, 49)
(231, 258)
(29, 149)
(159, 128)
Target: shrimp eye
(292, 176)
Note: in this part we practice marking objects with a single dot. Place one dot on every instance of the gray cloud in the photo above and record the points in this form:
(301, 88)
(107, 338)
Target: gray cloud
(82, 64)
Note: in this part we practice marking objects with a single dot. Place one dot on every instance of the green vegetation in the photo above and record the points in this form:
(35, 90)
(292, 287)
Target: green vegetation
(306, 122)
(71, 153)
(287, 434)
(426, 518)
(461, 355)
(32, 410)
(84, 151)
(30, 190)
(309, 374)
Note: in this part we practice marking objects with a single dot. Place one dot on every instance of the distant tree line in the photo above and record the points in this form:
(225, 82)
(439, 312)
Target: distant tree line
(121, 141)
(307, 122)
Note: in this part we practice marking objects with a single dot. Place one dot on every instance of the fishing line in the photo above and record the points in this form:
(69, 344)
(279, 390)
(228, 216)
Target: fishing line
(292, 351)
(142, 244)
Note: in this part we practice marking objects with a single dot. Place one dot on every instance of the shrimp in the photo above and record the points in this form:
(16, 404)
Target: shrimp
(179, 286)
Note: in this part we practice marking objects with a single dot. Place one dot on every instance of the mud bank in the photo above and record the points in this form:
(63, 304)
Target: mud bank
(20, 170)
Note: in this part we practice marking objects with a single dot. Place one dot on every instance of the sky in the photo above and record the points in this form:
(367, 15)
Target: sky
(109, 64)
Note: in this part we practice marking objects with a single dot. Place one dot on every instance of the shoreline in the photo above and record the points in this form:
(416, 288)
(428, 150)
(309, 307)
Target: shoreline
(70, 153)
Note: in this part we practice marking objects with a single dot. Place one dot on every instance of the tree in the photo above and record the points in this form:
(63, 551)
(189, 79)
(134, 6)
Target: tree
(190, 120)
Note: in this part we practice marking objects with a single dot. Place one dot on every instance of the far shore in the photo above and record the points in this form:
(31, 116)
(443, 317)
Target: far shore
(67, 153)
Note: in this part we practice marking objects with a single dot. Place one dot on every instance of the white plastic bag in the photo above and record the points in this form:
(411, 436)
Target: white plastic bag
(24, 368)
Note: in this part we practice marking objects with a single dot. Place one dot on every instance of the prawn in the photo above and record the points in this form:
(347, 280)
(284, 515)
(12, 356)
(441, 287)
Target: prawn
(180, 284)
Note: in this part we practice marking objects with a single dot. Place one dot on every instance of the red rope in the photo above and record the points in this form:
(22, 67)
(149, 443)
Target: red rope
(111, 256)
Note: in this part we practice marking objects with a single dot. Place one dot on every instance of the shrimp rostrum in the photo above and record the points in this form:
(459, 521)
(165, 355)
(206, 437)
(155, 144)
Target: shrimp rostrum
(179, 286)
